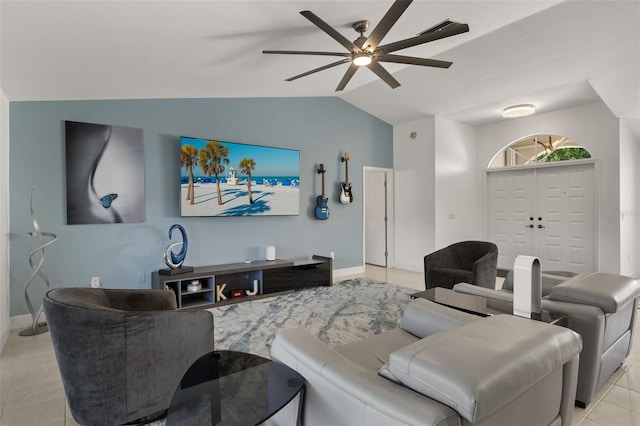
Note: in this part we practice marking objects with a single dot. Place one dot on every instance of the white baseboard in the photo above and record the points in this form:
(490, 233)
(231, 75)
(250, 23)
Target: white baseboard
(24, 321)
(338, 273)
(409, 267)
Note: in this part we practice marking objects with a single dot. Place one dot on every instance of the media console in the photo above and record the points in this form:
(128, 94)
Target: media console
(218, 285)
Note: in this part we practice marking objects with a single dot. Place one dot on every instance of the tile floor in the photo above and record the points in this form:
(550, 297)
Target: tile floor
(31, 392)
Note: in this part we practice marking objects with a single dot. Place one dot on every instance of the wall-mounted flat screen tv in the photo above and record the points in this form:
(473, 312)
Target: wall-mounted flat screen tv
(220, 178)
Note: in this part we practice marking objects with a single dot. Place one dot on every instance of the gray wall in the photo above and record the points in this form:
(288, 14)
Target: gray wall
(122, 254)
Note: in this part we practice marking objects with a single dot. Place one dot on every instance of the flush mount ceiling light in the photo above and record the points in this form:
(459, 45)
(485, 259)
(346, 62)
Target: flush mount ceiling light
(518, 111)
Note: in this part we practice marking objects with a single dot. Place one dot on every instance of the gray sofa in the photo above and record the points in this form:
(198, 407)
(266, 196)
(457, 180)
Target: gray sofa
(440, 367)
(122, 353)
(602, 308)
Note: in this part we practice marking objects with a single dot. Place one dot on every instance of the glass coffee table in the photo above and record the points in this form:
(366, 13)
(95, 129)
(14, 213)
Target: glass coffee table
(234, 388)
(480, 305)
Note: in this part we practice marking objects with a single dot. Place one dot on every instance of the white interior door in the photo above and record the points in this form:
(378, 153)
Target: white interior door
(548, 212)
(377, 213)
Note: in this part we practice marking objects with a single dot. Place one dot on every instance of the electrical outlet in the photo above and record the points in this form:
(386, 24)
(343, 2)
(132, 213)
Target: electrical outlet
(95, 282)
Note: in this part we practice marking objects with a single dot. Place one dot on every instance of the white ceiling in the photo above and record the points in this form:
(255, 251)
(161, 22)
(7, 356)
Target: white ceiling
(554, 54)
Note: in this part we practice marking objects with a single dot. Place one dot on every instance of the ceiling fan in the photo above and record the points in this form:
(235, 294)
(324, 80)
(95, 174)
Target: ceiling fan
(366, 51)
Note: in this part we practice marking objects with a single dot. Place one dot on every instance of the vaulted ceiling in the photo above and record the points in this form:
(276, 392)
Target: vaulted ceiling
(554, 54)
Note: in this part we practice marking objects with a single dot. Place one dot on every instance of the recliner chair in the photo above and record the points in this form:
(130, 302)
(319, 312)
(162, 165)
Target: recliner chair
(122, 353)
(473, 262)
(599, 306)
(440, 367)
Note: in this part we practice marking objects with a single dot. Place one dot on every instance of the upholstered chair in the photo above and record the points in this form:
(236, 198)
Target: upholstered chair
(439, 367)
(121, 353)
(473, 262)
(601, 307)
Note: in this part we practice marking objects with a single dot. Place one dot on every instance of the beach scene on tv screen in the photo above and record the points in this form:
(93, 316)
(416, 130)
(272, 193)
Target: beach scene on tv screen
(219, 178)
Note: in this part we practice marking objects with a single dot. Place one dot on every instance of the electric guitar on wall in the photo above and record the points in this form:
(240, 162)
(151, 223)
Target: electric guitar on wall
(346, 196)
(322, 208)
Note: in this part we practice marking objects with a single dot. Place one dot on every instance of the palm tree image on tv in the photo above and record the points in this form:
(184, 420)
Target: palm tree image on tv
(212, 160)
(189, 159)
(219, 178)
(247, 165)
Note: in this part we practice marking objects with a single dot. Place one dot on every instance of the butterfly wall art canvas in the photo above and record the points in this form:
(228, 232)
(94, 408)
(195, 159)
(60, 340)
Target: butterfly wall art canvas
(105, 173)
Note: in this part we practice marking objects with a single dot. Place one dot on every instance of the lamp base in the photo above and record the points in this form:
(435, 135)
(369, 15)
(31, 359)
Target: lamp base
(41, 328)
(176, 271)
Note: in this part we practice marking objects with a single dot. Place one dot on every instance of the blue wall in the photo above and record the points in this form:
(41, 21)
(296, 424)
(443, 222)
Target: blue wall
(321, 128)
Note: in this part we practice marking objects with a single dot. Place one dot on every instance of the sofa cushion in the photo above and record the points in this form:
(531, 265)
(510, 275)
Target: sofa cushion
(609, 292)
(471, 368)
(448, 277)
(373, 352)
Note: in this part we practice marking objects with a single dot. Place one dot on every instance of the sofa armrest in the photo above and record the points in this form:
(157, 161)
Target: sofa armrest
(503, 295)
(164, 344)
(438, 259)
(589, 323)
(485, 270)
(609, 292)
(422, 318)
(341, 392)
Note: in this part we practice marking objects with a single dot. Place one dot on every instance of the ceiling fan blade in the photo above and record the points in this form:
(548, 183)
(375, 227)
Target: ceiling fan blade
(383, 74)
(348, 44)
(347, 76)
(387, 21)
(302, 52)
(410, 60)
(322, 68)
(450, 30)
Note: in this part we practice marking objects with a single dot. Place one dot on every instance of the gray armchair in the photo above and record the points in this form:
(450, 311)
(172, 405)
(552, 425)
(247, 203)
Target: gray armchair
(121, 353)
(473, 262)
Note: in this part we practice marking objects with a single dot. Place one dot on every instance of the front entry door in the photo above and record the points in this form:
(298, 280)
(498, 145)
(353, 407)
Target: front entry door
(565, 225)
(544, 211)
(510, 206)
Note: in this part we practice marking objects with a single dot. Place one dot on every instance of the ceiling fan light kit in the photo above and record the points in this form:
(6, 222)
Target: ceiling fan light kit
(362, 59)
(367, 51)
(521, 110)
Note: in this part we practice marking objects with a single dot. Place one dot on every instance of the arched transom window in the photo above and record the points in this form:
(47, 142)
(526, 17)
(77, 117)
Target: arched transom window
(538, 149)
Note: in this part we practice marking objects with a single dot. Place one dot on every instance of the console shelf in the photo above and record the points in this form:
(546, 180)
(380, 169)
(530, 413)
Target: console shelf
(215, 284)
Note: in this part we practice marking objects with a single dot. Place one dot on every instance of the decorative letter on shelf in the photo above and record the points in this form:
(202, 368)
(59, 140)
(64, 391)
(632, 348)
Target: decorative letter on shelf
(255, 289)
(219, 295)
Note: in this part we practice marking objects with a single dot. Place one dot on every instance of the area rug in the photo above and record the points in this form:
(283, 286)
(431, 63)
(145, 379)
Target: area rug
(349, 310)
